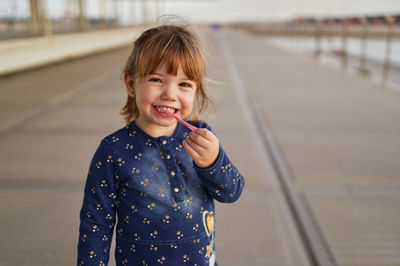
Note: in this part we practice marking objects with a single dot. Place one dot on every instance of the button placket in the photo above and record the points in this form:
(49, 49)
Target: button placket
(175, 182)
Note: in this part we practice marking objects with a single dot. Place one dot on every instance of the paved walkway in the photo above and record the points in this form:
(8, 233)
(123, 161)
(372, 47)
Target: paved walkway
(339, 134)
(44, 159)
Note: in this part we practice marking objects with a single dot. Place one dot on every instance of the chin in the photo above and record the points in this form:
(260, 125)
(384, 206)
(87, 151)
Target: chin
(169, 122)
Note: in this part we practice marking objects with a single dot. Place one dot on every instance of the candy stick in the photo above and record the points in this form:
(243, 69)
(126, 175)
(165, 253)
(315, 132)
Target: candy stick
(192, 128)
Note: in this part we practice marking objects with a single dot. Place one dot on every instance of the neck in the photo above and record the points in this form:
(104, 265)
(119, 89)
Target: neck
(155, 130)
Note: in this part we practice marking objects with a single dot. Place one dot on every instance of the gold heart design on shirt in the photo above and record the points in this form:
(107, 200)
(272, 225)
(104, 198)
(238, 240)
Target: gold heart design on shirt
(208, 222)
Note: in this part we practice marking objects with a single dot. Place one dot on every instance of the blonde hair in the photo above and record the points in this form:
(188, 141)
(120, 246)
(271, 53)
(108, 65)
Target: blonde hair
(171, 45)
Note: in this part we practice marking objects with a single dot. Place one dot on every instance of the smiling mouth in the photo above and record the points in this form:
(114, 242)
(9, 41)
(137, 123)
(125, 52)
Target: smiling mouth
(165, 110)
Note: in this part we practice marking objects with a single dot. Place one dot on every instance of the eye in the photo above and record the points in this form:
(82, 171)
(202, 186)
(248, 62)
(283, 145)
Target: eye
(186, 84)
(155, 80)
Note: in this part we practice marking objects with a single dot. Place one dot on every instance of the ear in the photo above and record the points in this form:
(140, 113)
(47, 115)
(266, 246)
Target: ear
(129, 84)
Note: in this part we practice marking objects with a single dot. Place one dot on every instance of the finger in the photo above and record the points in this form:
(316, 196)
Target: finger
(199, 139)
(206, 138)
(198, 148)
(190, 150)
(207, 134)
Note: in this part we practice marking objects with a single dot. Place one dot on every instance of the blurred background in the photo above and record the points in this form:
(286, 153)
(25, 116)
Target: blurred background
(359, 34)
(308, 107)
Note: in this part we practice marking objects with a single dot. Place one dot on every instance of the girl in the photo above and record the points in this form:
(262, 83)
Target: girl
(156, 175)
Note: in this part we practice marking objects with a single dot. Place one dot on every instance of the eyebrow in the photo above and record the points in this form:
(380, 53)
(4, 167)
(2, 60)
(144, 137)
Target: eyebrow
(181, 77)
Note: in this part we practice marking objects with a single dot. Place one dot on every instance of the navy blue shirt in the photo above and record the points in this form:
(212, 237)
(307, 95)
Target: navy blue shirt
(163, 201)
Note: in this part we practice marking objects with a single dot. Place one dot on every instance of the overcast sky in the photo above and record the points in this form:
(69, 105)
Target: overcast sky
(276, 9)
(212, 10)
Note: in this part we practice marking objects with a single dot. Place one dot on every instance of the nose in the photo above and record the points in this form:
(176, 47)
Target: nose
(169, 92)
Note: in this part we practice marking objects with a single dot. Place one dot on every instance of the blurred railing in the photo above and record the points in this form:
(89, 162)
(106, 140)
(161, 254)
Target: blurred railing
(26, 18)
(333, 35)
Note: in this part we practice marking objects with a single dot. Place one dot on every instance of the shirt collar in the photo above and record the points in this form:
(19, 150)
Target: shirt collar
(141, 132)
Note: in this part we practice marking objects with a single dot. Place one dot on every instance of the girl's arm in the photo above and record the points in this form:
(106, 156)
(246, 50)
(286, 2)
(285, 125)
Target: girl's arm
(97, 216)
(218, 174)
(222, 179)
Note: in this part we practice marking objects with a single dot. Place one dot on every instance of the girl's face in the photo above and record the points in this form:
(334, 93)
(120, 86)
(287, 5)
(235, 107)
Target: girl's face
(159, 92)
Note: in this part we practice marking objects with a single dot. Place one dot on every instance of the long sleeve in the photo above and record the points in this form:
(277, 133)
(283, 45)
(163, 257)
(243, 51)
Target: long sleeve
(97, 216)
(222, 179)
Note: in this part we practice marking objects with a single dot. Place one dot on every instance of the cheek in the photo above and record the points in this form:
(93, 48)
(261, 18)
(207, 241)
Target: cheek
(144, 98)
(187, 101)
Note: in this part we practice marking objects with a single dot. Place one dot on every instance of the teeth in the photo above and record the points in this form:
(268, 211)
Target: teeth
(164, 109)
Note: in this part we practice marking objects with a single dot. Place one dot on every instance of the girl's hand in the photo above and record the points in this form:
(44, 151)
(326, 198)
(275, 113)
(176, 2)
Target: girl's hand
(203, 146)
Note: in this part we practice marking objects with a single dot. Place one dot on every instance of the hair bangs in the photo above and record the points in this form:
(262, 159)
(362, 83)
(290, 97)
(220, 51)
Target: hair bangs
(175, 52)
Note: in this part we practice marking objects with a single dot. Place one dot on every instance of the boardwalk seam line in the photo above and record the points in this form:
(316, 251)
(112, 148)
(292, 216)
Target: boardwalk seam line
(291, 236)
(22, 118)
(313, 241)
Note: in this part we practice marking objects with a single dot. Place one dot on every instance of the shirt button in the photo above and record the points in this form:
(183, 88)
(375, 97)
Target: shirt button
(164, 141)
(176, 190)
(167, 156)
(172, 173)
